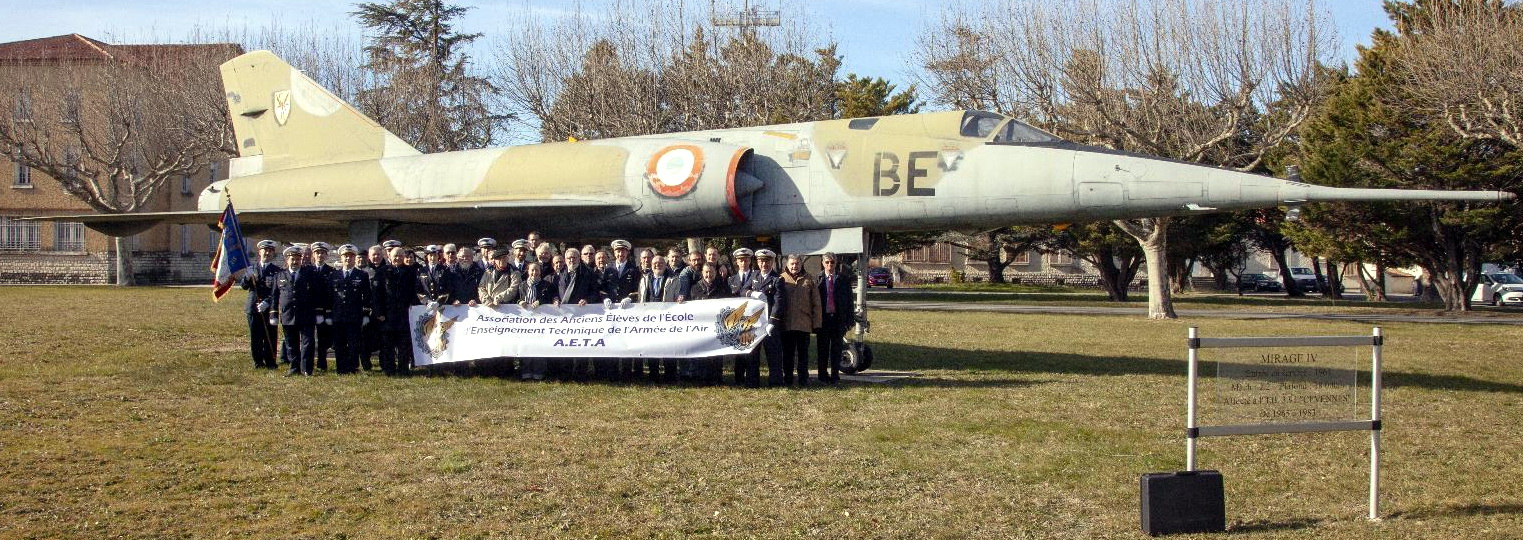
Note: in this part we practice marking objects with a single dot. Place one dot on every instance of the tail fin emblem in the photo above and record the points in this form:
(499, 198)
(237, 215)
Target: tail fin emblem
(282, 106)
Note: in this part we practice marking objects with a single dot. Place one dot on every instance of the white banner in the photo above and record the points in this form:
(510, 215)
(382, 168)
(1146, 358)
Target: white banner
(656, 330)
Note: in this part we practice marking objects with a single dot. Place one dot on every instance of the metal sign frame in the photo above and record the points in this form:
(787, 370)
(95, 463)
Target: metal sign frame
(1194, 431)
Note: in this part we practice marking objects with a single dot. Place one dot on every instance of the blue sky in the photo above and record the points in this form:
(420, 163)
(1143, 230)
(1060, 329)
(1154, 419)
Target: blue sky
(874, 35)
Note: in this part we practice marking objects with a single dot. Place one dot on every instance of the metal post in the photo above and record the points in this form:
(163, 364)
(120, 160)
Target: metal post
(1375, 432)
(1190, 402)
(861, 314)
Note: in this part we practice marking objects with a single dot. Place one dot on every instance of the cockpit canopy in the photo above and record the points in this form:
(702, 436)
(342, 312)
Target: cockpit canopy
(981, 124)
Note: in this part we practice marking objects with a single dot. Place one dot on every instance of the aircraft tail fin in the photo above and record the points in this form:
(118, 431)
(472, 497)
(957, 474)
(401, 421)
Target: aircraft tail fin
(283, 120)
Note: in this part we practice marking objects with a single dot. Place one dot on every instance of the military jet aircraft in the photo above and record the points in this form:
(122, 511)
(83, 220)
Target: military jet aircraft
(310, 165)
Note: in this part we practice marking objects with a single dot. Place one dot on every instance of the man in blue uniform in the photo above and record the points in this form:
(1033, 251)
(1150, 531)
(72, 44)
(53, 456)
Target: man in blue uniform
(351, 308)
(768, 286)
(324, 326)
(438, 279)
(262, 332)
(297, 291)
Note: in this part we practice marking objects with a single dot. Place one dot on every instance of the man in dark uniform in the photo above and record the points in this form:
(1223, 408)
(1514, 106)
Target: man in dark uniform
(371, 333)
(484, 249)
(839, 308)
(621, 284)
(521, 258)
(324, 326)
(262, 332)
(400, 291)
(438, 280)
(767, 285)
(351, 308)
(297, 291)
(744, 274)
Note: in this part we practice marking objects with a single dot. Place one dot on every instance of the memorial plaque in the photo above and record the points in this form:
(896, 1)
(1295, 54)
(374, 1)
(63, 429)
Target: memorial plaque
(1285, 385)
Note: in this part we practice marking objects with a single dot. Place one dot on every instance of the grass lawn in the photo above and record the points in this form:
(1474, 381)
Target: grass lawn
(136, 413)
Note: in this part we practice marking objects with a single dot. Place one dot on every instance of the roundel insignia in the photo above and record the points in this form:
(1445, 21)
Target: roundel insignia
(675, 170)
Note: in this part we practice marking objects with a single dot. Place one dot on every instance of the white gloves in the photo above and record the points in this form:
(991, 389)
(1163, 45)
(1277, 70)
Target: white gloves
(607, 303)
(624, 304)
(264, 305)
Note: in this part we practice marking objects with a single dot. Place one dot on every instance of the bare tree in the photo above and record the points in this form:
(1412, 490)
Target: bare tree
(1209, 82)
(651, 66)
(111, 130)
(1464, 61)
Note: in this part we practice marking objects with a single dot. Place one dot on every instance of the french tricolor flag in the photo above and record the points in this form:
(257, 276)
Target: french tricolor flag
(231, 259)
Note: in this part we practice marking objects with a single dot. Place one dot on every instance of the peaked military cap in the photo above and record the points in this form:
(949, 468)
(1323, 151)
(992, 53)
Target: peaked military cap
(321, 246)
(348, 248)
(520, 243)
(486, 243)
(498, 253)
(269, 244)
(391, 244)
(620, 244)
(742, 252)
(765, 254)
(293, 250)
(431, 248)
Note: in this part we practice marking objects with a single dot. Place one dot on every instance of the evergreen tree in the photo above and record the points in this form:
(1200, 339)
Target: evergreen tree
(424, 90)
(1368, 135)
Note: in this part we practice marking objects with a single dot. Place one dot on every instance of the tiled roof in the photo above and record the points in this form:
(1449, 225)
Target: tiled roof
(65, 47)
(77, 48)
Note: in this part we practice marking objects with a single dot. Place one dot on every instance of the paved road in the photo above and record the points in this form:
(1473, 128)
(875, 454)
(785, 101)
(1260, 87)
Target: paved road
(900, 305)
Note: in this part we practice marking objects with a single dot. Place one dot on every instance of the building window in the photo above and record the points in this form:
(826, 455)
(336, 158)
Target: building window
(185, 239)
(211, 173)
(23, 175)
(934, 253)
(24, 106)
(17, 235)
(69, 236)
(212, 239)
(71, 107)
(1022, 259)
(185, 185)
(1060, 258)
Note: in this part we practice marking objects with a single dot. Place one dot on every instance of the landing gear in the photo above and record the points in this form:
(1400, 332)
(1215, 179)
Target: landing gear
(856, 356)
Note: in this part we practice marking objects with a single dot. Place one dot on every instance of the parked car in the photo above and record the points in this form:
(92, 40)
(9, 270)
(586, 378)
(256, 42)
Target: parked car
(1258, 283)
(1307, 280)
(880, 276)
(1499, 289)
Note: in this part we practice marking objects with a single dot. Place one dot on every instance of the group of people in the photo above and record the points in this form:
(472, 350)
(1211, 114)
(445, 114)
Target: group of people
(299, 312)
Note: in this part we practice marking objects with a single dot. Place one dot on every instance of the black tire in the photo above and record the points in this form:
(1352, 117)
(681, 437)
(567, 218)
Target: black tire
(867, 357)
(850, 361)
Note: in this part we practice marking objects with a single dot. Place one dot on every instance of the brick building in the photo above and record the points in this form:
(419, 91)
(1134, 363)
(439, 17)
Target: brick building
(34, 75)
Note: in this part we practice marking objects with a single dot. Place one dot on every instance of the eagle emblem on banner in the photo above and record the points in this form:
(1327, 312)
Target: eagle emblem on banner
(282, 106)
(735, 327)
(432, 332)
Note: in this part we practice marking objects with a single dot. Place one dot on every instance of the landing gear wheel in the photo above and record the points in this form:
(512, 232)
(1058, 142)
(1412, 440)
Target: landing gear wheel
(851, 360)
(856, 357)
